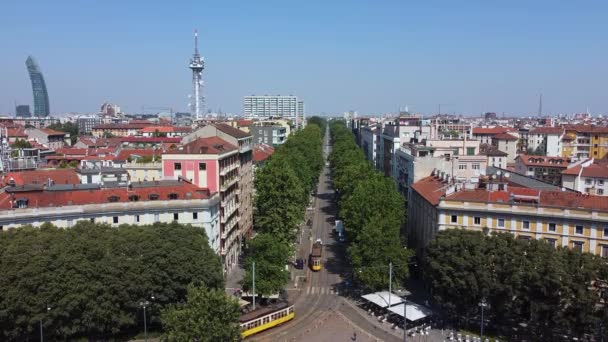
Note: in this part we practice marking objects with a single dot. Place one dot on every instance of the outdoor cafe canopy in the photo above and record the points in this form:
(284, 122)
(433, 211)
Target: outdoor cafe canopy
(413, 311)
(382, 299)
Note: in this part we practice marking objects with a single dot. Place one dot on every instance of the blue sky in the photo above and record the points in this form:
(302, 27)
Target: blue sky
(371, 56)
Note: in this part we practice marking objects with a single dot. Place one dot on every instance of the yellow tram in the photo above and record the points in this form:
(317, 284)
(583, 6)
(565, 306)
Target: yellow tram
(316, 256)
(265, 318)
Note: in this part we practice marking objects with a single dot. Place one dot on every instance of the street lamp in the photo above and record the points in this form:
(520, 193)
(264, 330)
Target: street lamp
(145, 304)
(482, 304)
(48, 308)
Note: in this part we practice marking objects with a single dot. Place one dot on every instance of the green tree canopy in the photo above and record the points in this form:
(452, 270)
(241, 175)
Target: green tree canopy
(208, 315)
(93, 276)
(270, 256)
(531, 288)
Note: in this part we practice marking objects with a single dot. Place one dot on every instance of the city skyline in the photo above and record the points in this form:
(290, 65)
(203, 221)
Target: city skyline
(470, 58)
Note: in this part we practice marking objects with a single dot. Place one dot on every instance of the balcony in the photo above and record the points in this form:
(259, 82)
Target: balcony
(226, 216)
(227, 200)
(226, 169)
(228, 183)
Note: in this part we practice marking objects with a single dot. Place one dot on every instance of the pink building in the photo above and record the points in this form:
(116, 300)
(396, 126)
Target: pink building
(212, 163)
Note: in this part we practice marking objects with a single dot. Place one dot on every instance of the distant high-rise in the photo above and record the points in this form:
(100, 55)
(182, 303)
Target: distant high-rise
(197, 65)
(41, 96)
(23, 111)
(275, 106)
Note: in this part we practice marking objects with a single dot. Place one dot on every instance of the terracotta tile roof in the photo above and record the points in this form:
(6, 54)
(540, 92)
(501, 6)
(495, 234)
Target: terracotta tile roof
(150, 140)
(593, 170)
(491, 151)
(70, 151)
(587, 128)
(244, 122)
(126, 126)
(530, 160)
(430, 188)
(547, 130)
(49, 131)
(209, 145)
(492, 130)
(504, 136)
(167, 129)
(234, 132)
(42, 198)
(126, 153)
(16, 132)
(59, 176)
(261, 152)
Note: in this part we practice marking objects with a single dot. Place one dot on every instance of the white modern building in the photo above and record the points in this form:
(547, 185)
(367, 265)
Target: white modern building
(274, 106)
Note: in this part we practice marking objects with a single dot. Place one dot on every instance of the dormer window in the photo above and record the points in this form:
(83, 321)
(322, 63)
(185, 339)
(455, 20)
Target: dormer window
(133, 198)
(21, 203)
(113, 199)
(173, 196)
(153, 197)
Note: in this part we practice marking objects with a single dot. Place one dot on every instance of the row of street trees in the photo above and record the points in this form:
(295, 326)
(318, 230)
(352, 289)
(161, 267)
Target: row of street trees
(532, 290)
(373, 212)
(282, 186)
(88, 281)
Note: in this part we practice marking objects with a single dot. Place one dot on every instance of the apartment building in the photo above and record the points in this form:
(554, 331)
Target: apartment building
(589, 177)
(212, 163)
(585, 141)
(457, 159)
(546, 169)
(47, 137)
(275, 106)
(507, 143)
(561, 218)
(268, 133)
(370, 142)
(244, 142)
(546, 141)
(119, 129)
(136, 203)
(485, 134)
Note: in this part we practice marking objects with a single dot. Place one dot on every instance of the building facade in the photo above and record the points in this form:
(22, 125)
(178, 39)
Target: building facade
(546, 169)
(41, 95)
(562, 219)
(546, 141)
(23, 111)
(268, 134)
(273, 106)
(86, 123)
(139, 203)
(589, 177)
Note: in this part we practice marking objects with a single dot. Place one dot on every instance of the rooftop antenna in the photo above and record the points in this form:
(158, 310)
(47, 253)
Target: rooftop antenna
(540, 105)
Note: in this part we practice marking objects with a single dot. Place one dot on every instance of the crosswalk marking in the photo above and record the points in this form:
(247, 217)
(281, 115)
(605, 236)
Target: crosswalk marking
(318, 290)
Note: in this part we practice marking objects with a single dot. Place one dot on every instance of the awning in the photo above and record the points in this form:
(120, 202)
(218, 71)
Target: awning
(413, 312)
(243, 303)
(382, 298)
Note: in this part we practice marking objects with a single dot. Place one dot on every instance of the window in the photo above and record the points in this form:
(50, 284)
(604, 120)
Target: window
(115, 219)
(153, 197)
(175, 216)
(177, 166)
(604, 251)
(578, 229)
(477, 220)
(195, 216)
(501, 222)
(530, 169)
(454, 219)
(525, 224)
(577, 245)
(462, 166)
(173, 196)
(600, 191)
(600, 182)
(605, 231)
(552, 227)
(133, 198)
(475, 166)
(92, 219)
(588, 181)
(470, 151)
(551, 242)
(202, 166)
(137, 218)
(156, 217)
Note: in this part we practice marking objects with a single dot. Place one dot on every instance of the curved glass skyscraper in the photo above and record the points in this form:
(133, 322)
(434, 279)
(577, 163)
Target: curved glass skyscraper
(41, 96)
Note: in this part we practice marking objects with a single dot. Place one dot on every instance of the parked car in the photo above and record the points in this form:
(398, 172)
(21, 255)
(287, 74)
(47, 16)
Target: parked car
(299, 264)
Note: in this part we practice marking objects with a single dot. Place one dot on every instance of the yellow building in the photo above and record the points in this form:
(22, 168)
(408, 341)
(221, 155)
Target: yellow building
(585, 141)
(561, 218)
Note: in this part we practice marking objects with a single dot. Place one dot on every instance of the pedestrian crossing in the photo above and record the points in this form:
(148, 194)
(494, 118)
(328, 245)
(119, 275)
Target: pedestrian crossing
(320, 290)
